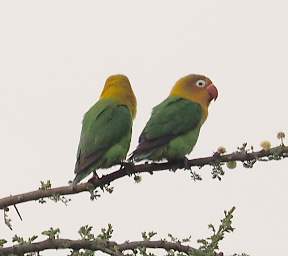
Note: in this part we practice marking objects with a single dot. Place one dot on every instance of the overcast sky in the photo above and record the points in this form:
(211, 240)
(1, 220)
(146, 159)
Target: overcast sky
(54, 59)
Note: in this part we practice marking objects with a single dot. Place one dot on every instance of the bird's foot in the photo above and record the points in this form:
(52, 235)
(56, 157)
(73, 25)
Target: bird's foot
(186, 164)
(122, 166)
(94, 178)
(179, 164)
(174, 165)
(128, 166)
(148, 167)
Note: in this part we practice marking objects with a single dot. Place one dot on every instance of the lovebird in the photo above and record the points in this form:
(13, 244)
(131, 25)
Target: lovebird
(173, 128)
(106, 128)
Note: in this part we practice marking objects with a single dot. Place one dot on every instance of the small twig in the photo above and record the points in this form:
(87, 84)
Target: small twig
(17, 212)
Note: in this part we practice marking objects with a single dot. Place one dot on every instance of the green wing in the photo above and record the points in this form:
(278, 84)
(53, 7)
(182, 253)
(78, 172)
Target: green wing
(171, 118)
(104, 125)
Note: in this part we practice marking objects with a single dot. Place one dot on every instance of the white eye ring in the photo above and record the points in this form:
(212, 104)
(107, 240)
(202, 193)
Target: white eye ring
(201, 83)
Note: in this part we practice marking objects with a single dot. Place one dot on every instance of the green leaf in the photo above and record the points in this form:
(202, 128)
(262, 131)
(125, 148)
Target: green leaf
(52, 233)
(106, 234)
(2, 242)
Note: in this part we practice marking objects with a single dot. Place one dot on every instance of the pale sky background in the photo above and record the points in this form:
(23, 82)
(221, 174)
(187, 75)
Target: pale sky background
(54, 59)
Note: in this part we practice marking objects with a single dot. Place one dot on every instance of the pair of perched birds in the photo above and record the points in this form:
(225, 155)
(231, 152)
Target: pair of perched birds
(171, 132)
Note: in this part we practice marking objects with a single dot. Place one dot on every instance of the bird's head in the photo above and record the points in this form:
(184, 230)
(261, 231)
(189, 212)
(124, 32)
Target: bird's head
(197, 88)
(118, 88)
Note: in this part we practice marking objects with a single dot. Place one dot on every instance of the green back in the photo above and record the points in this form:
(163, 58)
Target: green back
(172, 118)
(104, 125)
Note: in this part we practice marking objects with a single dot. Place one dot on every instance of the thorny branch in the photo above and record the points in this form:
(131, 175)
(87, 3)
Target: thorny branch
(108, 247)
(246, 157)
(90, 242)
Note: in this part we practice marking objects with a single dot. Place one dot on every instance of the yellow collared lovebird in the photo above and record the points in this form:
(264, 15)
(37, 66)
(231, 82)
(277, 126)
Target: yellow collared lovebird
(106, 128)
(173, 128)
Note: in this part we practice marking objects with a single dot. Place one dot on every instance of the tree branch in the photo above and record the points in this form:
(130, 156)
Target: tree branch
(129, 169)
(160, 244)
(96, 245)
(108, 247)
(101, 242)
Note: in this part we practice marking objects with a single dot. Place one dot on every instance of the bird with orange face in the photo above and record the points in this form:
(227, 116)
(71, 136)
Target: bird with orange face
(173, 128)
(106, 128)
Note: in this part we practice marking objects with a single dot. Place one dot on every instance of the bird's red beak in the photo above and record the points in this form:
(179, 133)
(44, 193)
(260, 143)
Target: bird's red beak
(213, 92)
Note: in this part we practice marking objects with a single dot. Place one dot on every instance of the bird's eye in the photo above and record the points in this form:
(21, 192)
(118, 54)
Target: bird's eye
(201, 83)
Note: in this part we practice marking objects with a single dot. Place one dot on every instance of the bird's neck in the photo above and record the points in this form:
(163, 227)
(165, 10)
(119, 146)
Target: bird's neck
(199, 97)
(122, 97)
